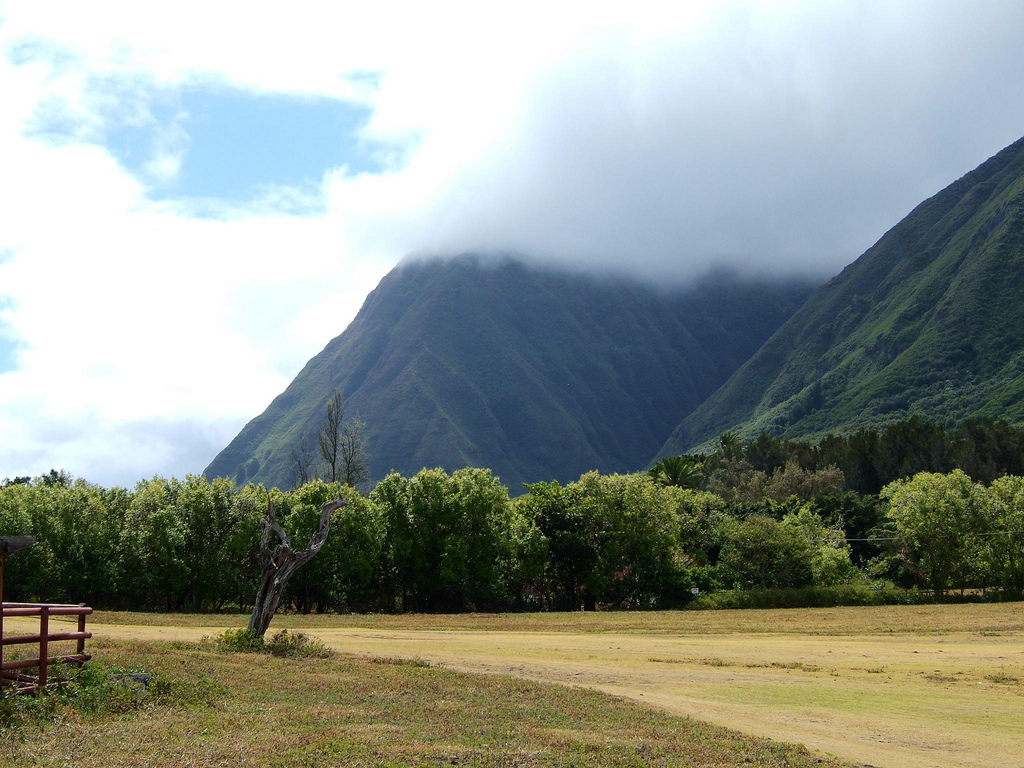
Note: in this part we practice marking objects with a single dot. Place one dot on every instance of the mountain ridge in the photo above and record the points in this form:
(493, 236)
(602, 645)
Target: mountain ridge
(541, 374)
(907, 328)
(535, 372)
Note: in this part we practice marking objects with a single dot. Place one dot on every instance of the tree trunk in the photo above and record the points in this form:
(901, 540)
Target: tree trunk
(280, 563)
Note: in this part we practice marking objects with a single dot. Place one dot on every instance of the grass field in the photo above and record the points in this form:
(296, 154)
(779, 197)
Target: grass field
(887, 686)
(923, 619)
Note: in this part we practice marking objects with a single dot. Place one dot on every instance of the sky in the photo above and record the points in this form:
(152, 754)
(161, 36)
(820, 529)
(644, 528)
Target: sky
(196, 198)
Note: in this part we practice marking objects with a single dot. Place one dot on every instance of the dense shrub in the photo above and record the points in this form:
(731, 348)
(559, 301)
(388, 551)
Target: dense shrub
(775, 525)
(812, 597)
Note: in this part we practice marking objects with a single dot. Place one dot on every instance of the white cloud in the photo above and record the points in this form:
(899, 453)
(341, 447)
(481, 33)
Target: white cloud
(149, 335)
(170, 145)
(646, 137)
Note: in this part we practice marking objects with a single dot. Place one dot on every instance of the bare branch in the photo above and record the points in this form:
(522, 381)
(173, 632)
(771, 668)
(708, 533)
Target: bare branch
(283, 561)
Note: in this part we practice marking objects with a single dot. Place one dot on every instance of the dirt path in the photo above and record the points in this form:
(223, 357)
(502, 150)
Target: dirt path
(902, 702)
(905, 700)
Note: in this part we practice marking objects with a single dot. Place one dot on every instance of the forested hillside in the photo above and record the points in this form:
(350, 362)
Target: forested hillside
(535, 373)
(929, 321)
(905, 514)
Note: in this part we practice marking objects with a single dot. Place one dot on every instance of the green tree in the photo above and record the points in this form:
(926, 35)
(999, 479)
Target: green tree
(794, 480)
(827, 547)
(611, 539)
(445, 537)
(987, 449)
(153, 546)
(568, 521)
(344, 574)
(683, 471)
(188, 543)
(390, 495)
(523, 559)
(911, 446)
(1004, 548)
(638, 542)
(858, 456)
(761, 552)
(857, 515)
(220, 528)
(735, 479)
(730, 445)
(767, 453)
(700, 517)
(15, 520)
(939, 521)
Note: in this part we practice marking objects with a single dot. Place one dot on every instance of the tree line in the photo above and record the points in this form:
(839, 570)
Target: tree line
(766, 514)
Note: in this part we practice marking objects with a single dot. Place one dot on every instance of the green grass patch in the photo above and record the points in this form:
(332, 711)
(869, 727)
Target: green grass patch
(97, 690)
(400, 662)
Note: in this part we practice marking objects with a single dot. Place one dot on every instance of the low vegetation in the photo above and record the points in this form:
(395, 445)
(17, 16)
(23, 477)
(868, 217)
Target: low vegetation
(100, 690)
(296, 645)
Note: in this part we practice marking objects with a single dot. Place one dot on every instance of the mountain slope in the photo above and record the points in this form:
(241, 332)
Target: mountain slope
(535, 373)
(930, 321)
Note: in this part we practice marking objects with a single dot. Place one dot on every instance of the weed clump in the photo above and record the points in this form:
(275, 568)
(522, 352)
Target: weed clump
(291, 645)
(96, 690)
(398, 661)
(239, 641)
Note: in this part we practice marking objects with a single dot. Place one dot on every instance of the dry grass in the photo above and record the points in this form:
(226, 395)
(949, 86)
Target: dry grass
(866, 620)
(891, 686)
(359, 712)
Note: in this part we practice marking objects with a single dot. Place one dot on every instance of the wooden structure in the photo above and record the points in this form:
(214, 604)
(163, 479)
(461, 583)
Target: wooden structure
(16, 672)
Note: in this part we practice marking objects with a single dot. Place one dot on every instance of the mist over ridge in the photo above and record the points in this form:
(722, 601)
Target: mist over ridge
(928, 322)
(678, 275)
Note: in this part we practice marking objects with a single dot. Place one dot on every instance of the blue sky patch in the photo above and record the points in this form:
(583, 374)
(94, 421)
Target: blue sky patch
(7, 352)
(232, 145)
(8, 342)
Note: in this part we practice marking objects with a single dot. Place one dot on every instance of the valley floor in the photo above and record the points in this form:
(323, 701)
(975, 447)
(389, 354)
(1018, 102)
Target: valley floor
(890, 686)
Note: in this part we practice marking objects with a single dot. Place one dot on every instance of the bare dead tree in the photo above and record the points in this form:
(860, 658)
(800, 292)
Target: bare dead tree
(355, 467)
(302, 460)
(280, 563)
(328, 438)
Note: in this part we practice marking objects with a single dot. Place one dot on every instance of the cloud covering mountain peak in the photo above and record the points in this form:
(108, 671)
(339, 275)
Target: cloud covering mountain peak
(651, 140)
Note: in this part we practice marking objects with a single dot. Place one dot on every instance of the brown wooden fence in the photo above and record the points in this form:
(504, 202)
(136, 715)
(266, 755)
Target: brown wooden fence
(16, 672)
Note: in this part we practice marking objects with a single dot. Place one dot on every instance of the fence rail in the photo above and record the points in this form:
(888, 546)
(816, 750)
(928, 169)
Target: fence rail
(26, 683)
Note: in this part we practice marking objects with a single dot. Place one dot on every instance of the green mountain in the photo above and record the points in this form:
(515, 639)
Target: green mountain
(929, 321)
(535, 373)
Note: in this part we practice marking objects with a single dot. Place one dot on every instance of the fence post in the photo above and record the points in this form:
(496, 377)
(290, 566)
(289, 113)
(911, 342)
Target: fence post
(81, 628)
(44, 644)
(8, 545)
(3, 554)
